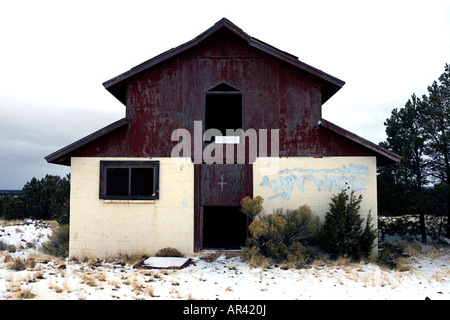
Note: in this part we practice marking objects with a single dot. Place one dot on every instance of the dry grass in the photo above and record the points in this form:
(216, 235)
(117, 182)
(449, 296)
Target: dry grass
(41, 257)
(58, 287)
(24, 273)
(19, 288)
(19, 264)
(375, 279)
(411, 248)
(149, 291)
(89, 279)
(25, 293)
(7, 223)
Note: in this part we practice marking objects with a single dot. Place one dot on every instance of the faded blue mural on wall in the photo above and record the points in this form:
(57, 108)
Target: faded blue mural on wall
(351, 177)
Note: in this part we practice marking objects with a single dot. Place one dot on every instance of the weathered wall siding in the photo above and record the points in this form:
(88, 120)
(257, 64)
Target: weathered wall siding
(114, 144)
(300, 111)
(332, 144)
(171, 95)
(225, 184)
(291, 182)
(100, 228)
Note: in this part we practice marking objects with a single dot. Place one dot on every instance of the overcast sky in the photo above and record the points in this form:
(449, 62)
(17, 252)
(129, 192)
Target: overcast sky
(55, 55)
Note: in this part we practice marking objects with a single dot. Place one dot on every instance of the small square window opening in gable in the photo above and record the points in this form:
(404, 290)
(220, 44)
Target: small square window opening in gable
(223, 110)
(129, 180)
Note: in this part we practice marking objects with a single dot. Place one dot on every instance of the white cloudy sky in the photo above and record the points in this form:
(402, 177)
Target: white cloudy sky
(55, 55)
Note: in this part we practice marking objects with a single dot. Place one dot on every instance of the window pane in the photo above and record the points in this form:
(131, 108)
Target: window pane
(117, 181)
(129, 180)
(142, 182)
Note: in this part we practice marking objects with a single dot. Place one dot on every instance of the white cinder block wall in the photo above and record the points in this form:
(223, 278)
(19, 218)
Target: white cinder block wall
(103, 228)
(291, 182)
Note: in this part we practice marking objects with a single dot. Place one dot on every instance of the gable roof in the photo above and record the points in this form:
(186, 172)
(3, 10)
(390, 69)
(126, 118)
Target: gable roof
(117, 86)
(330, 84)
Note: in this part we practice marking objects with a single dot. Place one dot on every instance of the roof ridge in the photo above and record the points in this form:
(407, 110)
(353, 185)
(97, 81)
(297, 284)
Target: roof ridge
(334, 84)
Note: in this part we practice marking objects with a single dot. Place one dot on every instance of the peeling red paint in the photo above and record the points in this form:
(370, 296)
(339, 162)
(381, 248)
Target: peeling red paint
(278, 92)
(168, 92)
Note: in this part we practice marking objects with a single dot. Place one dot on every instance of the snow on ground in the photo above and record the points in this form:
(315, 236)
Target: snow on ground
(49, 278)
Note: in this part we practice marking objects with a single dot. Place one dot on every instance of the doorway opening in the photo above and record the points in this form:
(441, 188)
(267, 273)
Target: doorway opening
(224, 228)
(223, 109)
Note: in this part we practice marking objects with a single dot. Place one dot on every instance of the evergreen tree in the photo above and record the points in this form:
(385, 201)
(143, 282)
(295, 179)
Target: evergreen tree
(420, 133)
(343, 234)
(47, 198)
(11, 207)
(405, 136)
(436, 126)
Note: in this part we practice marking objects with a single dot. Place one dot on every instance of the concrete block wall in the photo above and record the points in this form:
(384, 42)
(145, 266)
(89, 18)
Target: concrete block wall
(104, 228)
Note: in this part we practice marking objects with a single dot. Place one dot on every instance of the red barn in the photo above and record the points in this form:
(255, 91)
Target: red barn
(215, 119)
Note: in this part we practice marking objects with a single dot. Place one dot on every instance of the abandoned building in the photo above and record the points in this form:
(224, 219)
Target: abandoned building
(155, 179)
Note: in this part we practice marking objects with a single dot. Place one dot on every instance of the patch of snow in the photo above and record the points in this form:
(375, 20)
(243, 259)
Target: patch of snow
(427, 276)
(165, 262)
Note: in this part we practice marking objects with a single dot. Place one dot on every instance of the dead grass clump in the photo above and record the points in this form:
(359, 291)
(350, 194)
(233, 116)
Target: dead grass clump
(149, 291)
(19, 264)
(41, 257)
(254, 258)
(137, 286)
(438, 277)
(342, 261)
(59, 288)
(7, 223)
(410, 247)
(115, 284)
(8, 258)
(189, 296)
(11, 284)
(24, 294)
(436, 251)
(89, 280)
(169, 252)
(100, 276)
(88, 260)
(126, 258)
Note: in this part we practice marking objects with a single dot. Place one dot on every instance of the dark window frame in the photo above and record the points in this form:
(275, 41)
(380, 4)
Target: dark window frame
(130, 165)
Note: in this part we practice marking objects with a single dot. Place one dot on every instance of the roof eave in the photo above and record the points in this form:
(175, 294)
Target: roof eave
(390, 157)
(62, 156)
(175, 51)
(331, 83)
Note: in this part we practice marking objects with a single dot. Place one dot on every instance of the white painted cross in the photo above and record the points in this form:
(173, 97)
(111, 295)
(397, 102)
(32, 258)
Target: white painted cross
(222, 183)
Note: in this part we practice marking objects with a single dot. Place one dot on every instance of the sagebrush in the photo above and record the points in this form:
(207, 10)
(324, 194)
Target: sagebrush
(278, 236)
(58, 243)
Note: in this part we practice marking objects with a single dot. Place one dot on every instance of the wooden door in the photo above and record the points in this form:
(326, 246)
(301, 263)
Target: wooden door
(219, 185)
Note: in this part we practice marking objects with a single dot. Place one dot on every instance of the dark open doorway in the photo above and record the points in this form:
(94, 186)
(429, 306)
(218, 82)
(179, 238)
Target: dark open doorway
(224, 228)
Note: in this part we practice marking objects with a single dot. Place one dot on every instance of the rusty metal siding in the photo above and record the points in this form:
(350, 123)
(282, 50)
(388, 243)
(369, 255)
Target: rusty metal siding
(171, 95)
(114, 144)
(332, 144)
(225, 184)
(167, 92)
